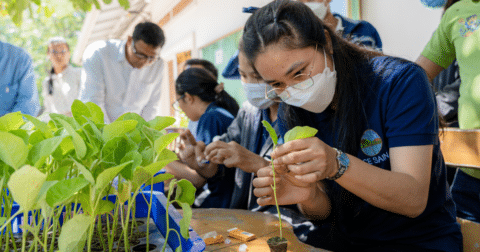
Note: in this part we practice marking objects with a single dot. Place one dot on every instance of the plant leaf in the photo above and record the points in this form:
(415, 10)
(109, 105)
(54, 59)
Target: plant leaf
(13, 150)
(167, 154)
(163, 141)
(185, 221)
(64, 190)
(152, 169)
(96, 113)
(118, 128)
(161, 122)
(86, 173)
(147, 156)
(106, 176)
(162, 177)
(127, 172)
(42, 199)
(140, 176)
(271, 132)
(74, 234)
(59, 174)
(104, 206)
(124, 191)
(300, 132)
(11, 121)
(78, 142)
(25, 184)
(43, 127)
(133, 116)
(40, 151)
(79, 111)
(187, 194)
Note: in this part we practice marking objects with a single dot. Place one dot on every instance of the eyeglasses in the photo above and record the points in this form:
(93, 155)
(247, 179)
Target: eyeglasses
(142, 56)
(303, 81)
(58, 52)
(176, 106)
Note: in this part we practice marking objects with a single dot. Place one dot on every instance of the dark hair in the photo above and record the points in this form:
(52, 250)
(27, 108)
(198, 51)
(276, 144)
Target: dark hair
(206, 64)
(448, 4)
(150, 33)
(197, 81)
(295, 26)
(52, 70)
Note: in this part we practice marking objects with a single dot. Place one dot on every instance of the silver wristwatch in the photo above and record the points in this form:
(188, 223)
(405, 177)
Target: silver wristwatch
(343, 163)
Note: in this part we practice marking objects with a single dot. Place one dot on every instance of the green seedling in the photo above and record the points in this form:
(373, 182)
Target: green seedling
(293, 134)
(74, 161)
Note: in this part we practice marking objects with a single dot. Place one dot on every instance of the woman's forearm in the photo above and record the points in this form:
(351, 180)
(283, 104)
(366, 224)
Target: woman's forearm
(318, 206)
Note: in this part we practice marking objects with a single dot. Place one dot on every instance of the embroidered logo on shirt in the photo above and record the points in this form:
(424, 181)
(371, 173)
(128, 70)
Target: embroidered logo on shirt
(371, 143)
(469, 26)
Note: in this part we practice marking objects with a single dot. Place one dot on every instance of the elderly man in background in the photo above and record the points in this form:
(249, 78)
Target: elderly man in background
(125, 76)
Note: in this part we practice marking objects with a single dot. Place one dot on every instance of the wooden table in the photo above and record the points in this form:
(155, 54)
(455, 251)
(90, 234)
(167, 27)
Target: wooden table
(262, 225)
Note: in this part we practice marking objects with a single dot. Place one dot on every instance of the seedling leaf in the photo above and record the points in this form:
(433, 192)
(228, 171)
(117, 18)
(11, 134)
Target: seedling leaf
(117, 128)
(74, 234)
(163, 141)
(13, 150)
(42, 150)
(299, 132)
(25, 184)
(11, 121)
(78, 143)
(65, 189)
(152, 169)
(107, 176)
(271, 132)
(86, 173)
(187, 194)
(161, 122)
(185, 221)
(104, 206)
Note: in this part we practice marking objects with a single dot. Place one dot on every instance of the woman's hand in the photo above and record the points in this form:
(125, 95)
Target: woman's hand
(311, 198)
(234, 155)
(309, 160)
(187, 147)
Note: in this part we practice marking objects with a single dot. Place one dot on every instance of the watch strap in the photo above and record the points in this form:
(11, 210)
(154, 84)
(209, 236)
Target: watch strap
(343, 163)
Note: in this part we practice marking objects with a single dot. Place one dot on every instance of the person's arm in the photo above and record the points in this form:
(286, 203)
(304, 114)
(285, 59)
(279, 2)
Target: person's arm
(27, 99)
(429, 67)
(153, 107)
(181, 171)
(92, 88)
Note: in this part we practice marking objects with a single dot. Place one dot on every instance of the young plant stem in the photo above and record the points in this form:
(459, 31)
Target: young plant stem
(125, 232)
(90, 233)
(24, 230)
(99, 231)
(148, 214)
(167, 219)
(274, 187)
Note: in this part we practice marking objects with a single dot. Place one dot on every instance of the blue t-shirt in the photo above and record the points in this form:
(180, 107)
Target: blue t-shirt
(214, 122)
(400, 111)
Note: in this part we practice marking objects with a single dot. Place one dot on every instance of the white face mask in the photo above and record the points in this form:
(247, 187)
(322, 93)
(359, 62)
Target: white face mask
(320, 9)
(318, 96)
(256, 94)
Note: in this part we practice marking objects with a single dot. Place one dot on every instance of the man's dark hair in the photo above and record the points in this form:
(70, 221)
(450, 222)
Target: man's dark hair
(150, 33)
(205, 63)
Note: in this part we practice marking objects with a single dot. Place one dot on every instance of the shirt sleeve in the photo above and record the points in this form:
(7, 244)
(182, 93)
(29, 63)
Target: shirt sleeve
(410, 111)
(27, 100)
(234, 131)
(440, 49)
(153, 107)
(92, 88)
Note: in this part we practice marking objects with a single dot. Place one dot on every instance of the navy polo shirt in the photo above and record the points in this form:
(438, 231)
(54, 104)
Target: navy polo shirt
(213, 122)
(401, 111)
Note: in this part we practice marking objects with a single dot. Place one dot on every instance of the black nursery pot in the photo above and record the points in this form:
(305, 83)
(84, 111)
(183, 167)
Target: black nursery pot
(277, 244)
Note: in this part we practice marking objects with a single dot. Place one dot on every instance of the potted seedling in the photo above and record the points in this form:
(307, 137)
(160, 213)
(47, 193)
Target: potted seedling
(279, 243)
(75, 179)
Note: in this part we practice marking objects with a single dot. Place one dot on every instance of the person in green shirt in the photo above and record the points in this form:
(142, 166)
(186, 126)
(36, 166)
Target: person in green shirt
(458, 37)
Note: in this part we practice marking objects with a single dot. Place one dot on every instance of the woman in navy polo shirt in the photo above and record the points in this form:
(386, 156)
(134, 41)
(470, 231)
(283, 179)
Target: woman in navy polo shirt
(374, 173)
(202, 99)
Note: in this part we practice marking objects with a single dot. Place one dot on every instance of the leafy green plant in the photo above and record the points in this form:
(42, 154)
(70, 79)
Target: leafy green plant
(64, 171)
(297, 132)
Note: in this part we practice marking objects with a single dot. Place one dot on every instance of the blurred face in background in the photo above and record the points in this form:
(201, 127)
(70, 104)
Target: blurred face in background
(59, 55)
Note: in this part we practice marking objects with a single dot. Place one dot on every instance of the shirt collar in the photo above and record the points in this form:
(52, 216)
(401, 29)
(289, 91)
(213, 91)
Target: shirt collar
(121, 52)
(339, 28)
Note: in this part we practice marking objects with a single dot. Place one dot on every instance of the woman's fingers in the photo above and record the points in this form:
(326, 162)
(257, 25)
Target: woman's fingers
(188, 137)
(213, 146)
(292, 146)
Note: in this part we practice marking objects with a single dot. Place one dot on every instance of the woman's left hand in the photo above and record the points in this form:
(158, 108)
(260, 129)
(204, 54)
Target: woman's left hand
(309, 159)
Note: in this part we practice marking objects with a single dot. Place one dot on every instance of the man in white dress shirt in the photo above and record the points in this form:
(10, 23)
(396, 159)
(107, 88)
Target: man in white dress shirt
(125, 76)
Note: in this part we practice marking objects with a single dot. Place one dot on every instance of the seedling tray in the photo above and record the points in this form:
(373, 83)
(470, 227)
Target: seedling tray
(158, 212)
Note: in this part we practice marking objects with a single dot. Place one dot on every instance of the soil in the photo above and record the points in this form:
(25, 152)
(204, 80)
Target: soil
(277, 244)
(143, 247)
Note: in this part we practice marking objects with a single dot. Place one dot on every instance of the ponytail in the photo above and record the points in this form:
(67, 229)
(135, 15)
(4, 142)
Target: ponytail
(50, 82)
(199, 82)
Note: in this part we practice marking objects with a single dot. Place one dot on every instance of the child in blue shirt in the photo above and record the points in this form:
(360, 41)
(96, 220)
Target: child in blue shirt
(202, 99)
(374, 173)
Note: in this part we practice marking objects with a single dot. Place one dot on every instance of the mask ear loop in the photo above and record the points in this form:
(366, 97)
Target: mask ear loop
(333, 60)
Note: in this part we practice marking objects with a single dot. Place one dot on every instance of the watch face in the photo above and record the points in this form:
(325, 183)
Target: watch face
(343, 160)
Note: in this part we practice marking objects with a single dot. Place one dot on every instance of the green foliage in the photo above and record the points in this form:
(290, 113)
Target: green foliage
(25, 184)
(74, 234)
(271, 132)
(13, 150)
(300, 132)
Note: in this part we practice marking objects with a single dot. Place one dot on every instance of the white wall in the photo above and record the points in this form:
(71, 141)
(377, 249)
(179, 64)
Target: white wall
(404, 26)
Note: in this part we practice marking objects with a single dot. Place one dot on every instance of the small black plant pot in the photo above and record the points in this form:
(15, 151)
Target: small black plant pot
(277, 244)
